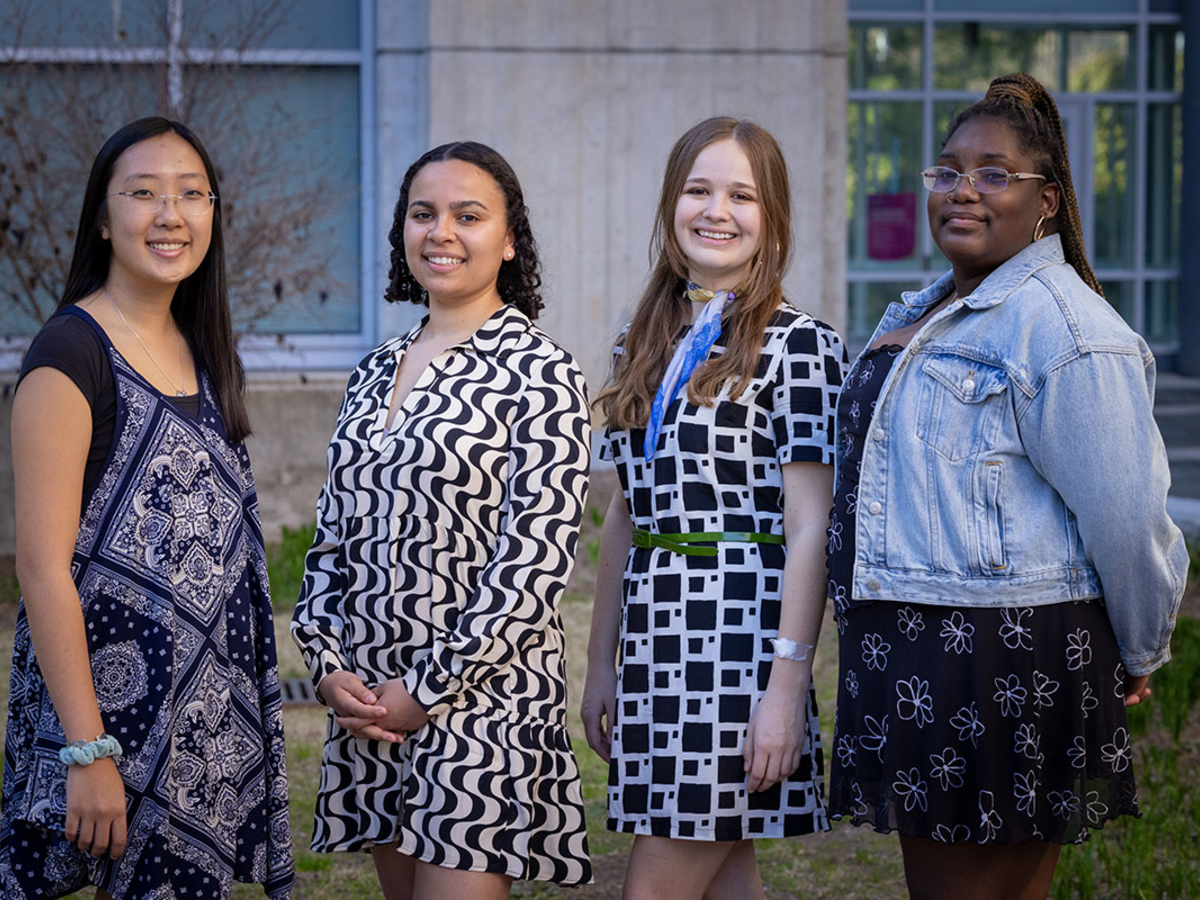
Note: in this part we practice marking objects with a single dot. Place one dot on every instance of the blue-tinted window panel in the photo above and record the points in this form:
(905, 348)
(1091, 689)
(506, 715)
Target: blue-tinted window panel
(866, 302)
(56, 118)
(1041, 6)
(1119, 295)
(884, 56)
(70, 23)
(886, 5)
(1165, 6)
(968, 55)
(1113, 146)
(286, 143)
(1166, 58)
(1164, 184)
(263, 24)
(1162, 312)
(885, 202)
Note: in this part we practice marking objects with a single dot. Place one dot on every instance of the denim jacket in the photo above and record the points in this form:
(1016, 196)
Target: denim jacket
(1013, 460)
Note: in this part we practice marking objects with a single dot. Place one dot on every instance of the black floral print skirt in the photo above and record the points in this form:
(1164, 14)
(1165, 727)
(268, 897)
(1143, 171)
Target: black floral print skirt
(984, 725)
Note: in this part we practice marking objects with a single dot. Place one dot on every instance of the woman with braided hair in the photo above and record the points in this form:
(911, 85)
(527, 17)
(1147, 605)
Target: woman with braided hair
(1004, 573)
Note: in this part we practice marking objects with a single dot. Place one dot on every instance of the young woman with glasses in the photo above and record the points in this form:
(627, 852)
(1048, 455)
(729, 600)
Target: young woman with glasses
(144, 744)
(445, 534)
(1004, 574)
(711, 585)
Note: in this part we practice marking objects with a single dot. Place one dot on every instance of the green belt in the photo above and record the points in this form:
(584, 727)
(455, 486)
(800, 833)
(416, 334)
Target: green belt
(678, 542)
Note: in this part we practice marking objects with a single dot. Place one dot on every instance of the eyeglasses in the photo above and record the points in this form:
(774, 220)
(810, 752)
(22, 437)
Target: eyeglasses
(987, 180)
(190, 203)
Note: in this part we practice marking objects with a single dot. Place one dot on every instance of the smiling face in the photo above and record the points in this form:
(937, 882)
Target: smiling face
(979, 232)
(456, 233)
(153, 246)
(718, 220)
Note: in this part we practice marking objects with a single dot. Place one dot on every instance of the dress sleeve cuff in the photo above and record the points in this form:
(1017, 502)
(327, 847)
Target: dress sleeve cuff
(323, 663)
(427, 688)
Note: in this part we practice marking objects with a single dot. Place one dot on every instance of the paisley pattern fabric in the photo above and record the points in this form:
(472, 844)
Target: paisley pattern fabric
(695, 632)
(171, 574)
(968, 724)
(443, 546)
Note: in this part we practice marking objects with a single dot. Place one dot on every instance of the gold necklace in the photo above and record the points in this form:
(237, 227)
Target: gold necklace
(179, 389)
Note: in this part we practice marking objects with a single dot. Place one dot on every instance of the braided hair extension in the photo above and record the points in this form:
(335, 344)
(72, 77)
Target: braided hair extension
(520, 279)
(1021, 102)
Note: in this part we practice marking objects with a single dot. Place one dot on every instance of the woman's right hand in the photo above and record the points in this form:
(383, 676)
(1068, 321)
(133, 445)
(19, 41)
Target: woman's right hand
(96, 808)
(349, 697)
(598, 707)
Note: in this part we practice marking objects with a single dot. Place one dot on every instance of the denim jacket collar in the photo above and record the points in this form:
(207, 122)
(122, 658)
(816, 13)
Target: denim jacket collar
(997, 286)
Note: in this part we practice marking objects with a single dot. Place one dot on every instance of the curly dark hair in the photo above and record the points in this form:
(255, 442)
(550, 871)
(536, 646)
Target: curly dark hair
(520, 278)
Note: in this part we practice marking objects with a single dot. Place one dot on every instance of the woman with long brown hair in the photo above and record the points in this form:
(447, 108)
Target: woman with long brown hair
(711, 582)
(1002, 566)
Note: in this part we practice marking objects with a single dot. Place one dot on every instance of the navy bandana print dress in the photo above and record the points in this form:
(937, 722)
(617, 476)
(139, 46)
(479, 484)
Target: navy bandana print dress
(171, 573)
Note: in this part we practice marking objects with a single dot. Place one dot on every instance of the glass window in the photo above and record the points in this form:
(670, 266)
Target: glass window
(885, 57)
(1100, 60)
(288, 137)
(1164, 181)
(1040, 6)
(1166, 58)
(1162, 312)
(884, 197)
(887, 5)
(1112, 185)
(867, 301)
(56, 117)
(1119, 294)
(967, 55)
(69, 23)
(294, 24)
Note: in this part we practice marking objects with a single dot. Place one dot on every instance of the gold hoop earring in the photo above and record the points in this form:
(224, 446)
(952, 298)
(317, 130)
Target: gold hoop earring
(1039, 230)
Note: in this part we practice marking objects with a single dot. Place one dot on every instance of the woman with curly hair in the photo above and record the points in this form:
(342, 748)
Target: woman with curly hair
(1003, 570)
(445, 534)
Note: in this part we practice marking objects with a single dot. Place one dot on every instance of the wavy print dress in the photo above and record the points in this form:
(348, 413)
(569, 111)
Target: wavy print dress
(695, 630)
(443, 546)
(171, 573)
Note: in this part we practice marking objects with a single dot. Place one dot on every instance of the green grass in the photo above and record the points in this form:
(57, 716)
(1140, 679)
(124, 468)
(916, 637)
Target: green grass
(1153, 857)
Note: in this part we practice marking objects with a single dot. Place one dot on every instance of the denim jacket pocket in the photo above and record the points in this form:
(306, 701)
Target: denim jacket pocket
(960, 404)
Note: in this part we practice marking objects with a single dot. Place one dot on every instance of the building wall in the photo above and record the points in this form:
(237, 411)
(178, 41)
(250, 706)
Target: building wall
(585, 99)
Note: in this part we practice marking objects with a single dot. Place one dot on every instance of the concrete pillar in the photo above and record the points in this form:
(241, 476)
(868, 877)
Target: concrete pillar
(585, 99)
(1189, 264)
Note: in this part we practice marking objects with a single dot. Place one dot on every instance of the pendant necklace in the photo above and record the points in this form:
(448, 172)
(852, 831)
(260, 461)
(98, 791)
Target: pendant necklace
(179, 389)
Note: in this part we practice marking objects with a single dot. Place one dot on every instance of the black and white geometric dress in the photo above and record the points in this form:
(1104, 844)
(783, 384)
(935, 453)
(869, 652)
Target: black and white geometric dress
(442, 549)
(695, 651)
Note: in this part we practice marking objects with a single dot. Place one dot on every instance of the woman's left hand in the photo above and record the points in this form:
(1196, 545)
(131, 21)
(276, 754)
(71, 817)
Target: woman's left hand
(1137, 689)
(403, 715)
(775, 736)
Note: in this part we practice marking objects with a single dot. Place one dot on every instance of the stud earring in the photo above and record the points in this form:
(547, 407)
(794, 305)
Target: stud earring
(508, 254)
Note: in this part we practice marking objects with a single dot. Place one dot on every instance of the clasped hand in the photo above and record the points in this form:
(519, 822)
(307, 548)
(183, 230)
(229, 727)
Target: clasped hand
(386, 713)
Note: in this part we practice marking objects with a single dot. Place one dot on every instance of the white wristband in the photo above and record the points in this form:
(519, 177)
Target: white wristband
(789, 649)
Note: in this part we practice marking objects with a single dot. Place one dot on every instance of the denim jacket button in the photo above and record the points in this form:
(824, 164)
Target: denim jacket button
(872, 585)
(878, 434)
(968, 385)
(876, 508)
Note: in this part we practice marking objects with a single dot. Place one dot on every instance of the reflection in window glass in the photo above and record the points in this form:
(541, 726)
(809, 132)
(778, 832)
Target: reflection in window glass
(1162, 312)
(1164, 181)
(867, 301)
(885, 57)
(1100, 60)
(1119, 294)
(1112, 208)
(289, 139)
(884, 197)
(1166, 58)
(967, 56)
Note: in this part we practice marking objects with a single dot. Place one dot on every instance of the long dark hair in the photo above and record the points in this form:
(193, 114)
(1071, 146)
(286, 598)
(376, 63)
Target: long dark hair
(663, 308)
(201, 303)
(1021, 102)
(520, 278)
